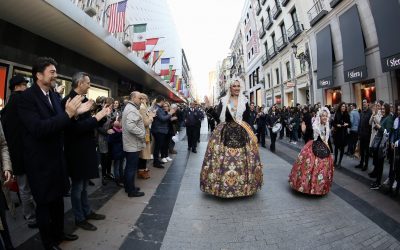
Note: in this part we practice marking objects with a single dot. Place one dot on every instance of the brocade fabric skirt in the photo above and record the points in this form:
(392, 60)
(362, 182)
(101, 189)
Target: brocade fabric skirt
(231, 166)
(310, 174)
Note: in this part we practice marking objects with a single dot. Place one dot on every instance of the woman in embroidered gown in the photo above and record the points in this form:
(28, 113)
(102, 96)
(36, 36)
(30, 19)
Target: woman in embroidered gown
(312, 172)
(232, 166)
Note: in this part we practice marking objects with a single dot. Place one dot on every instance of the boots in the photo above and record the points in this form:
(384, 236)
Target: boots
(144, 174)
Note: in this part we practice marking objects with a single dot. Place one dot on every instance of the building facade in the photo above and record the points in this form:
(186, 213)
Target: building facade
(282, 23)
(355, 46)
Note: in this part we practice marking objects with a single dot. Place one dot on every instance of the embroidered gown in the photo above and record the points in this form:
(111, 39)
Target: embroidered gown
(311, 174)
(232, 166)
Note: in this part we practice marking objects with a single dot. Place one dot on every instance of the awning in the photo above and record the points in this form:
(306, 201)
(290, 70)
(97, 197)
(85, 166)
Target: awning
(387, 19)
(353, 46)
(324, 58)
(65, 24)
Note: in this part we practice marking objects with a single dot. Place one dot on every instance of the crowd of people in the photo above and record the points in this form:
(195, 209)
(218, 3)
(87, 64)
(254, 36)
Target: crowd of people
(367, 132)
(53, 146)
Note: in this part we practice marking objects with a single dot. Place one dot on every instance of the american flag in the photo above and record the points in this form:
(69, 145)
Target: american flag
(117, 17)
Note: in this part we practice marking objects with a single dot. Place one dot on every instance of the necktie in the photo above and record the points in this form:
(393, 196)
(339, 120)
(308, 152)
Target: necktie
(48, 98)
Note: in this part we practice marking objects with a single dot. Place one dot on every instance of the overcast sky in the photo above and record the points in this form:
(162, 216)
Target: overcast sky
(206, 29)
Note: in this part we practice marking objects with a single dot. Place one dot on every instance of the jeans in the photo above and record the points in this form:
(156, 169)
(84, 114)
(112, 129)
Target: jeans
(132, 162)
(28, 205)
(79, 199)
(118, 168)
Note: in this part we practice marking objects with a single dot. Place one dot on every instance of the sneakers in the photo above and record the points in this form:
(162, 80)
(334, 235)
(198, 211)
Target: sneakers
(85, 225)
(169, 158)
(164, 160)
(374, 186)
(94, 216)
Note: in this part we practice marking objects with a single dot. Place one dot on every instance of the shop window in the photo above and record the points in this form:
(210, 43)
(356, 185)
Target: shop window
(259, 97)
(289, 76)
(333, 96)
(365, 90)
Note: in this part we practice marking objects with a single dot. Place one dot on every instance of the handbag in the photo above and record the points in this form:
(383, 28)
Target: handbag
(12, 185)
(320, 149)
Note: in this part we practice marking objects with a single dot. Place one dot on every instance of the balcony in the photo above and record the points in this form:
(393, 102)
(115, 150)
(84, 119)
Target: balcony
(262, 32)
(258, 10)
(294, 31)
(268, 24)
(281, 43)
(333, 3)
(284, 2)
(265, 59)
(317, 12)
(276, 11)
(263, 2)
(272, 52)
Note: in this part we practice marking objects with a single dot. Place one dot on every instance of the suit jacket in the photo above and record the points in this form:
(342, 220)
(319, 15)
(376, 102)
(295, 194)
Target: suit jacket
(193, 118)
(12, 127)
(80, 144)
(43, 126)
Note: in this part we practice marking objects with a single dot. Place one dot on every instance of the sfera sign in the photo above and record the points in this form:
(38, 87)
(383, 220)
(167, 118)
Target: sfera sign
(391, 63)
(355, 74)
(325, 82)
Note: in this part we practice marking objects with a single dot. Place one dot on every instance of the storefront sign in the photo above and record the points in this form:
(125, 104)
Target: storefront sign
(324, 83)
(290, 84)
(391, 63)
(356, 74)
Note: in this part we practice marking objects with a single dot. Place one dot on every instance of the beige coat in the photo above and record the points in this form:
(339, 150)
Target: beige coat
(5, 165)
(147, 120)
(133, 132)
(373, 121)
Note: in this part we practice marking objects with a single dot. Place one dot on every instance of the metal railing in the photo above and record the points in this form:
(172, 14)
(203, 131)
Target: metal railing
(294, 31)
(265, 59)
(276, 11)
(262, 32)
(315, 12)
(272, 52)
(284, 2)
(258, 9)
(268, 24)
(281, 43)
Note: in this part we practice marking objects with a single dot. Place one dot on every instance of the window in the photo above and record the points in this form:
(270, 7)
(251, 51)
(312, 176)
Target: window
(248, 15)
(277, 76)
(262, 23)
(256, 72)
(252, 51)
(250, 32)
(273, 40)
(245, 22)
(294, 16)
(269, 80)
(269, 13)
(248, 55)
(302, 66)
(250, 80)
(283, 31)
(288, 73)
(266, 47)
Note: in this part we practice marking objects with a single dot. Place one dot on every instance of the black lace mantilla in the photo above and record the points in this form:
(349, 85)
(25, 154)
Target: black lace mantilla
(234, 135)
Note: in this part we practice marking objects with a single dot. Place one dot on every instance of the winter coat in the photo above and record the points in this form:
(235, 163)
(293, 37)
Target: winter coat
(340, 133)
(115, 143)
(80, 144)
(160, 122)
(147, 120)
(133, 131)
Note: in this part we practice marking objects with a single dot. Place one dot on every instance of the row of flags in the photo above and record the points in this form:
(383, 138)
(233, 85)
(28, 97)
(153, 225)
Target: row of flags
(145, 47)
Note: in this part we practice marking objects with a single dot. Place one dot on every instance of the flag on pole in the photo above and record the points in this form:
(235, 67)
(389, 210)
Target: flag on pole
(150, 45)
(156, 56)
(178, 84)
(165, 60)
(164, 70)
(169, 70)
(116, 21)
(172, 75)
(139, 40)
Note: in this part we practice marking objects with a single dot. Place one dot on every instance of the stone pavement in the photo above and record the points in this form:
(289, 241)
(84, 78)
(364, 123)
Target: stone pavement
(175, 214)
(275, 218)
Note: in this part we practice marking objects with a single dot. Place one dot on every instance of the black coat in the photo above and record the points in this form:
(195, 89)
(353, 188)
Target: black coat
(13, 128)
(364, 129)
(80, 144)
(193, 118)
(308, 135)
(340, 133)
(43, 127)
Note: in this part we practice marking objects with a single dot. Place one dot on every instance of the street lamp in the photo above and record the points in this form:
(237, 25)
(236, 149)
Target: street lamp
(305, 57)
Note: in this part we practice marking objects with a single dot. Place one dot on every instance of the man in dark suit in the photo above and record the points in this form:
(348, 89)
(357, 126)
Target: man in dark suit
(44, 121)
(12, 127)
(192, 119)
(272, 119)
(80, 152)
(253, 116)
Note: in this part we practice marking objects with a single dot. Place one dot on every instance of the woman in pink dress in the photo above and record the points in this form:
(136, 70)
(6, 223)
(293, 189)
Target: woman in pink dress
(312, 172)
